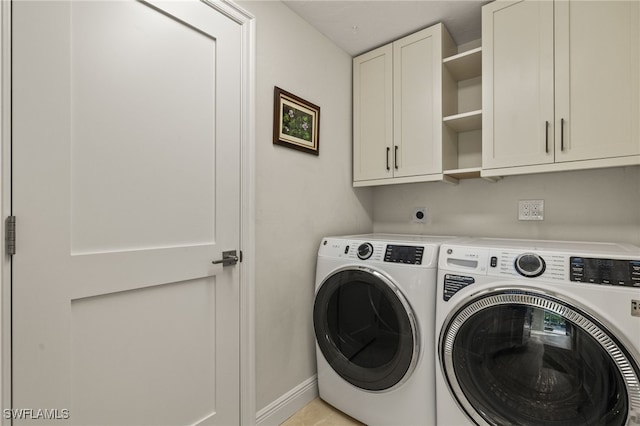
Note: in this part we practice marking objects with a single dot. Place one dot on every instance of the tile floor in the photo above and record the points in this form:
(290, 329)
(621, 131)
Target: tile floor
(319, 413)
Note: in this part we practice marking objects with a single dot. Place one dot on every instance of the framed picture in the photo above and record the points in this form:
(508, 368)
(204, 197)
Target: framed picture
(296, 122)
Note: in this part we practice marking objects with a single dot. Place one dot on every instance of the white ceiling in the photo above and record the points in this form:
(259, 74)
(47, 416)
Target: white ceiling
(361, 25)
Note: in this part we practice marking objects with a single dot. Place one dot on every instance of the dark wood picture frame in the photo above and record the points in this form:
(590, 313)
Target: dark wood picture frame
(296, 122)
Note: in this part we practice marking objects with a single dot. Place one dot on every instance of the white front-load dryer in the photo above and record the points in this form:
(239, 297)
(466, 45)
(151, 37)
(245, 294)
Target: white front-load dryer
(373, 319)
(538, 333)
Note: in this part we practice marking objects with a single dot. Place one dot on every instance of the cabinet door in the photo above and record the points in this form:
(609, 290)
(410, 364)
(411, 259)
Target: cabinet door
(517, 70)
(417, 82)
(373, 115)
(597, 79)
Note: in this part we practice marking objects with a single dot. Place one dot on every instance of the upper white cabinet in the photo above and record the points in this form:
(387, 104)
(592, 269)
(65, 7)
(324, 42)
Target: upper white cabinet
(373, 115)
(397, 110)
(518, 83)
(561, 85)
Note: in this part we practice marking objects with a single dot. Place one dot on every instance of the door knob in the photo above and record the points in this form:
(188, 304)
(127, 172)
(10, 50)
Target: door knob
(229, 258)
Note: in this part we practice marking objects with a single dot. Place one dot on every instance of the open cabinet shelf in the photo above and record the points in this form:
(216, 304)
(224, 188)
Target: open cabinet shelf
(465, 122)
(465, 65)
(453, 176)
(468, 173)
(462, 115)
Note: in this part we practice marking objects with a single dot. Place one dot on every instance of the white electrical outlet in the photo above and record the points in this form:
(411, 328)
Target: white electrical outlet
(419, 215)
(531, 210)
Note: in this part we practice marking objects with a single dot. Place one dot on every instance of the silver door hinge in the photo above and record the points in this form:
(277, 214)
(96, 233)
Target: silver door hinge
(10, 235)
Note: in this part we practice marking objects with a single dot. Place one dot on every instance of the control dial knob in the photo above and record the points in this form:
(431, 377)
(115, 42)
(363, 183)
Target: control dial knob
(365, 250)
(530, 265)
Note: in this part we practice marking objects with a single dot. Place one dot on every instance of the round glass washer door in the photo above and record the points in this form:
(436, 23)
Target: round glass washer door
(366, 329)
(520, 357)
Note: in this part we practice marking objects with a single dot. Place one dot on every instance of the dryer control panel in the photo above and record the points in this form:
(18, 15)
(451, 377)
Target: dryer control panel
(605, 271)
(376, 251)
(404, 254)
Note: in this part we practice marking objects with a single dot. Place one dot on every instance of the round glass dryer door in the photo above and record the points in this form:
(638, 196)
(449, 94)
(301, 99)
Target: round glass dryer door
(365, 329)
(526, 358)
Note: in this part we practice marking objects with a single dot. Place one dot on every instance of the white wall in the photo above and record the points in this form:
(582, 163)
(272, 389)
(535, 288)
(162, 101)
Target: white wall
(591, 205)
(300, 197)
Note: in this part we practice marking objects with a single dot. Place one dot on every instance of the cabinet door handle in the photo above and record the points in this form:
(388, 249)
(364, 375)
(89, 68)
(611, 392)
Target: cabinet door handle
(388, 150)
(395, 157)
(546, 136)
(562, 134)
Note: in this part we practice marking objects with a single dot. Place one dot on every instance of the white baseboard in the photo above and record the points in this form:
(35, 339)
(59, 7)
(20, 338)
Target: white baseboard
(285, 406)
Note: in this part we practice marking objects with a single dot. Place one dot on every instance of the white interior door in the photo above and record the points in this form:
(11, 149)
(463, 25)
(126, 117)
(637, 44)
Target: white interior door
(126, 165)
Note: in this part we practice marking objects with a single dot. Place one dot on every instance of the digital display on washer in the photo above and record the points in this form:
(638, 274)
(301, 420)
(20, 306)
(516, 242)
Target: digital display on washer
(404, 254)
(605, 271)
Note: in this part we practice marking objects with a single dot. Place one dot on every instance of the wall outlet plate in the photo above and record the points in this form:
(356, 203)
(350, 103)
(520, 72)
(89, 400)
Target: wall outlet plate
(635, 308)
(531, 210)
(419, 215)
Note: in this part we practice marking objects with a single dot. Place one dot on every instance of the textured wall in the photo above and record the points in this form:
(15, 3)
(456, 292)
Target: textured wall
(590, 205)
(300, 197)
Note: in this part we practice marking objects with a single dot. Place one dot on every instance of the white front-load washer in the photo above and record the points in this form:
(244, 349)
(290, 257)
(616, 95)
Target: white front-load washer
(538, 333)
(373, 319)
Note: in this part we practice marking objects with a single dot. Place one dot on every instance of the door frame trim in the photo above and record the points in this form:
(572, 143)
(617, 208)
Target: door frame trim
(247, 212)
(5, 206)
(246, 20)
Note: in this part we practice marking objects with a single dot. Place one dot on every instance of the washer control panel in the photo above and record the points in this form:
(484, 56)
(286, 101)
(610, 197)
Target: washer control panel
(547, 266)
(562, 262)
(605, 271)
(530, 265)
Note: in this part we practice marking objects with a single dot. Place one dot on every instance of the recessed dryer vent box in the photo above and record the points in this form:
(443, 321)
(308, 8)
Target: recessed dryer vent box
(420, 215)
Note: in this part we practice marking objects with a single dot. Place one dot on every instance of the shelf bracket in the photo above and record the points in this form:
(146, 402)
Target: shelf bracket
(492, 179)
(450, 180)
